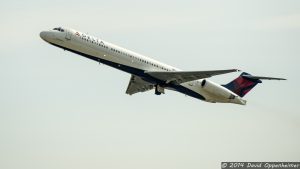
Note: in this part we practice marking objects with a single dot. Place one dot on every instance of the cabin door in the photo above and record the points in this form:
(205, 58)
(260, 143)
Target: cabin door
(68, 35)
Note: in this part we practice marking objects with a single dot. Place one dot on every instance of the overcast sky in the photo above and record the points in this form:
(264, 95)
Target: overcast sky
(60, 110)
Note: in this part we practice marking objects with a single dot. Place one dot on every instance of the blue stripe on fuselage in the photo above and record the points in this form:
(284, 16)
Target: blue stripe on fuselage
(137, 72)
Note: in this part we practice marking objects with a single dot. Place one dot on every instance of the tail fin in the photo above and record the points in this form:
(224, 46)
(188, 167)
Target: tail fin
(243, 84)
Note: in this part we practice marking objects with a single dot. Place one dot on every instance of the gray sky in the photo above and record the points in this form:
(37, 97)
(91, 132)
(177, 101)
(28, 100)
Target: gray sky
(59, 110)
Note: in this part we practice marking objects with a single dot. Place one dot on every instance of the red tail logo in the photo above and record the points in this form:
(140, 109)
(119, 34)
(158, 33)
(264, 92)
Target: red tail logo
(242, 85)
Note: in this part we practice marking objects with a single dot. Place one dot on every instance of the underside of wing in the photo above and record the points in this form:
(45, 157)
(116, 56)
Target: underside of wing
(178, 77)
(136, 84)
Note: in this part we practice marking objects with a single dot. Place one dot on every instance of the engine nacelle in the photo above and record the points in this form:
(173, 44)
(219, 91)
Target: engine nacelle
(216, 90)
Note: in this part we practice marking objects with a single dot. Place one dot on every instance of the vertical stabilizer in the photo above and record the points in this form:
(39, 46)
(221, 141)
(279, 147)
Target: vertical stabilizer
(242, 84)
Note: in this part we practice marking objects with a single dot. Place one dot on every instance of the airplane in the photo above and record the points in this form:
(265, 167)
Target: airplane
(147, 73)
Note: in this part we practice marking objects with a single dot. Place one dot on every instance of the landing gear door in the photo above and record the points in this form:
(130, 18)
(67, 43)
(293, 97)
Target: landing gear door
(68, 35)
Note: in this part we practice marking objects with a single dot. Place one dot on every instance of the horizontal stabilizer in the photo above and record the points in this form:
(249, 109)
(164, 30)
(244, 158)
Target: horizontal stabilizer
(262, 77)
(245, 82)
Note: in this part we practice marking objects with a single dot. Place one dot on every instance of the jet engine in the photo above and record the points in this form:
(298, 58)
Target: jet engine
(216, 90)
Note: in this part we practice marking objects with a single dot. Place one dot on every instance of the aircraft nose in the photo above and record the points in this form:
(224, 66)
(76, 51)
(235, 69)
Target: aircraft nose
(44, 35)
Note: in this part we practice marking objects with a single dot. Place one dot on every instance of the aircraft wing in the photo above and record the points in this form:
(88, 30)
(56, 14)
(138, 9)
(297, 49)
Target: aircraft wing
(178, 77)
(136, 84)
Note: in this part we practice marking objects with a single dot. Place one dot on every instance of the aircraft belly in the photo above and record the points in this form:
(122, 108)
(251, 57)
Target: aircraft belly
(128, 65)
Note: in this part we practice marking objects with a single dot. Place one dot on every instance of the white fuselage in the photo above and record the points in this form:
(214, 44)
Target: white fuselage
(134, 63)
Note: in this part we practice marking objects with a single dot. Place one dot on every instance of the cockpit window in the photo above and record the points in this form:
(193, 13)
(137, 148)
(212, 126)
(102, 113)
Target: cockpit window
(59, 29)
